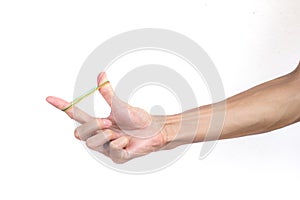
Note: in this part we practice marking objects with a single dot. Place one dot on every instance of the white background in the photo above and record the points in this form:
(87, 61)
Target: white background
(42, 47)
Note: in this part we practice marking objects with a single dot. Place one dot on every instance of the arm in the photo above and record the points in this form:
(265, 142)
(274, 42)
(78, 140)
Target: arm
(129, 132)
(261, 109)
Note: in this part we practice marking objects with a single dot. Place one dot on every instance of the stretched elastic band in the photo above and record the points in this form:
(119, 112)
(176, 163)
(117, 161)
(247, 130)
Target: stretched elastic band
(78, 99)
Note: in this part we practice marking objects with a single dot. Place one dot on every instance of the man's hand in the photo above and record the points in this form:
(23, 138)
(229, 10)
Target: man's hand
(128, 132)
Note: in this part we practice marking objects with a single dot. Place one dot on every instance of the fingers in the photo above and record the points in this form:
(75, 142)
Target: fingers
(106, 91)
(97, 141)
(111, 144)
(74, 112)
(89, 129)
(117, 150)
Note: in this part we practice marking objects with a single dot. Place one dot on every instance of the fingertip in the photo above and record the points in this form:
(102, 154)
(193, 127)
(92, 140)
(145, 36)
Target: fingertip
(57, 102)
(101, 78)
(49, 99)
(76, 134)
(52, 100)
(120, 143)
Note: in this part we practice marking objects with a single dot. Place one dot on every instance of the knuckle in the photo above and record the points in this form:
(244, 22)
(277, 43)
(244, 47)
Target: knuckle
(90, 144)
(113, 145)
(108, 134)
(101, 150)
(70, 113)
(119, 161)
(99, 123)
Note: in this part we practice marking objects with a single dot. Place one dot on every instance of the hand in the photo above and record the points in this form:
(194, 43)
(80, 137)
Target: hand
(128, 132)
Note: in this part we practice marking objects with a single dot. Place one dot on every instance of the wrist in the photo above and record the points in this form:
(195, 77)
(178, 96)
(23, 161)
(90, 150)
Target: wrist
(188, 127)
(181, 129)
(171, 134)
(171, 128)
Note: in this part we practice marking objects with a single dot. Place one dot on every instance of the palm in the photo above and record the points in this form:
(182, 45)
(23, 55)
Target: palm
(127, 117)
(142, 129)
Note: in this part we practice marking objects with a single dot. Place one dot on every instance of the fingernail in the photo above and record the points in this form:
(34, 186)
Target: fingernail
(107, 122)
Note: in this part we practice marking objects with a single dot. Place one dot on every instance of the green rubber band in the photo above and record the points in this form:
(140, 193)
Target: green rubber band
(80, 98)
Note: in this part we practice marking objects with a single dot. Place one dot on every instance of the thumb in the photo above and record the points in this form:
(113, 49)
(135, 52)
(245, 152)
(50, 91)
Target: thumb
(106, 91)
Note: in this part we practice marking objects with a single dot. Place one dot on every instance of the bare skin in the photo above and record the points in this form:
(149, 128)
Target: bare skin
(129, 132)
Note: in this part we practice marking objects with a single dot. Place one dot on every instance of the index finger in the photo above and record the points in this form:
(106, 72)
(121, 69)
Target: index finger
(74, 112)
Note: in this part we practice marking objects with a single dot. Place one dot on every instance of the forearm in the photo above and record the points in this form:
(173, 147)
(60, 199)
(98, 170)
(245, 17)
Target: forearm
(264, 108)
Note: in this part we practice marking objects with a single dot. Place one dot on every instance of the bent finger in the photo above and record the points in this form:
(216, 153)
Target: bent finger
(89, 129)
(97, 141)
(117, 150)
